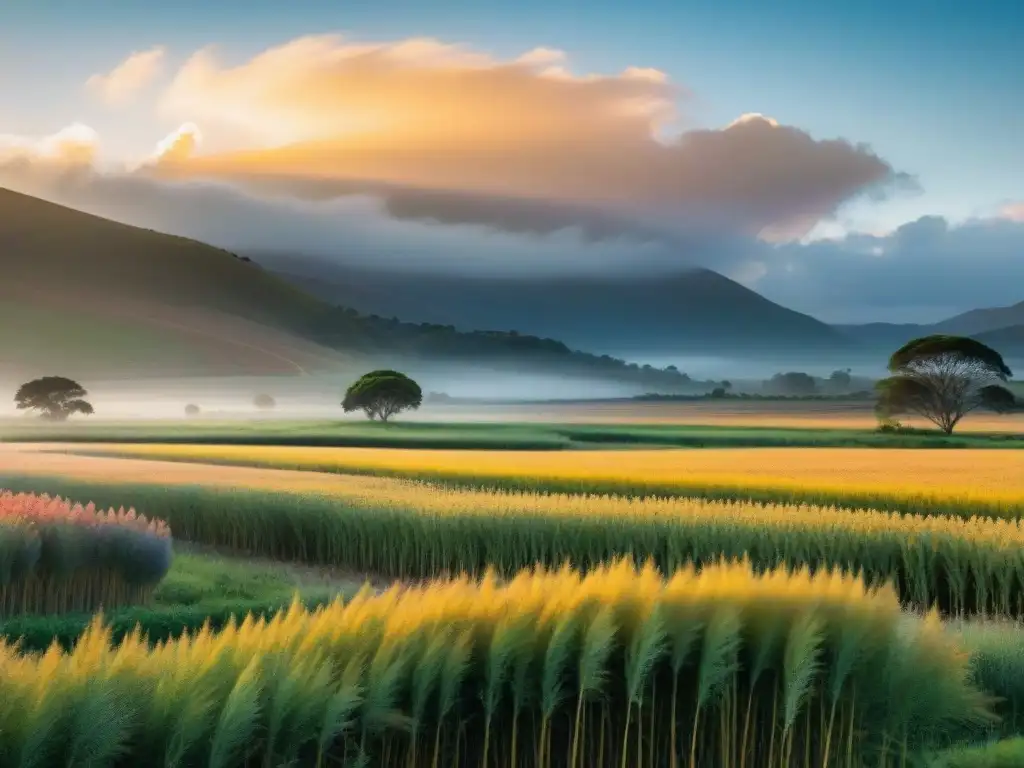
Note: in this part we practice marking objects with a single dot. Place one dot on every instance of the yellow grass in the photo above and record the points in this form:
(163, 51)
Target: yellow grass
(955, 476)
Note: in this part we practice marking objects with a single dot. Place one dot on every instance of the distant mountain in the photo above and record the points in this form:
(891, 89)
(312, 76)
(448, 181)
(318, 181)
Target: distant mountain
(979, 321)
(691, 312)
(1009, 341)
(882, 336)
(999, 327)
(85, 296)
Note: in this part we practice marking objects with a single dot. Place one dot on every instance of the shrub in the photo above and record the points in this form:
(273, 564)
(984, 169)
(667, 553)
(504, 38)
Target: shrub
(56, 556)
(264, 402)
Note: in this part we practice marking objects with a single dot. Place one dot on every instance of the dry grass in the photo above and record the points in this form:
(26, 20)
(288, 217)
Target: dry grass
(945, 478)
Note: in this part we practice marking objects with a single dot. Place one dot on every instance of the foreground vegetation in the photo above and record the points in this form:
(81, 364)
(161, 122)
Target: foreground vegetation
(718, 668)
(962, 483)
(410, 530)
(199, 589)
(56, 556)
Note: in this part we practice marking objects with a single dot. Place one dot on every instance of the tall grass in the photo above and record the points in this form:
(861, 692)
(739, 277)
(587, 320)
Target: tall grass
(56, 556)
(940, 482)
(407, 530)
(615, 668)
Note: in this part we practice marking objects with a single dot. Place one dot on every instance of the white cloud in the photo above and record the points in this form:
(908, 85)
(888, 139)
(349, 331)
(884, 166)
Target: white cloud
(129, 77)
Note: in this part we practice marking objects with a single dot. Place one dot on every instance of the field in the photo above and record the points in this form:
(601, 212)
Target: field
(943, 481)
(519, 594)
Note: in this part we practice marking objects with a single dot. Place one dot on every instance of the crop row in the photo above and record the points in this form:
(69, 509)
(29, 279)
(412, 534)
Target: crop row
(722, 667)
(409, 530)
(932, 482)
(57, 556)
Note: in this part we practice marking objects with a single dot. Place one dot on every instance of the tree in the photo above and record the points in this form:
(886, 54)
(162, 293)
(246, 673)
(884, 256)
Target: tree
(382, 394)
(794, 383)
(943, 378)
(840, 381)
(264, 402)
(191, 410)
(54, 397)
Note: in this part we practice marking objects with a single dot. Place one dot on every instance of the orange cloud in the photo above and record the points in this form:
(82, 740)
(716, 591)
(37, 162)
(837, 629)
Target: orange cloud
(74, 146)
(422, 115)
(129, 77)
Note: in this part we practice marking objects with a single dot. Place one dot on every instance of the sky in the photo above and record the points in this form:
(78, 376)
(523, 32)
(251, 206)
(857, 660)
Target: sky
(858, 161)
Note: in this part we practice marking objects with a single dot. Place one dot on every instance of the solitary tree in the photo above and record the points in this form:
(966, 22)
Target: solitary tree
(54, 397)
(382, 394)
(264, 402)
(943, 378)
(191, 410)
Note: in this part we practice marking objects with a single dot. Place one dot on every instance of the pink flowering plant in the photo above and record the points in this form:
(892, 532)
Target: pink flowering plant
(58, 556)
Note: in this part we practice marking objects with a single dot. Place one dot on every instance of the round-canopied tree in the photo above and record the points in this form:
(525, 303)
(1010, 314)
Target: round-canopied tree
(943, 378)
(192, 410)
(264, 402)
(55, 397)
(382, 394)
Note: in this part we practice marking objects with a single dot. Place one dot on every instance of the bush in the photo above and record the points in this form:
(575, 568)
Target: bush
(56, 556)
(264, 402)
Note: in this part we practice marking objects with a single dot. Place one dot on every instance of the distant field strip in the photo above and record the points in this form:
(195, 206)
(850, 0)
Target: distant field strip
(943, 481)
(412, 530)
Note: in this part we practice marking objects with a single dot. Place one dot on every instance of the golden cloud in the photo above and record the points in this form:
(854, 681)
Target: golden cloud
(129, 77)
(425, 116)
(75, 145)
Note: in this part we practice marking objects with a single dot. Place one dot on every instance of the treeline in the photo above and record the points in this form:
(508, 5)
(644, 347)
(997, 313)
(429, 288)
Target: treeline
(376, 335)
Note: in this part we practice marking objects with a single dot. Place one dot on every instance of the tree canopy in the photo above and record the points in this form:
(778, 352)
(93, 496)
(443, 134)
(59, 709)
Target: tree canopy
(55, 397)
(264, 402)
(943, 378)
(382, 394)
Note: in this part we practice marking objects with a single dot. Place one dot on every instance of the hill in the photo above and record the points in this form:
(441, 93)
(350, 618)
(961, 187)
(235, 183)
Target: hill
(1008, 341)
(979, 321)
(693, 311)
(95, 297)
(999, 327)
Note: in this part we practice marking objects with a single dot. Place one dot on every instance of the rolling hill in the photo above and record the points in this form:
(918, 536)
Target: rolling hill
(97, 298)
(691, 312)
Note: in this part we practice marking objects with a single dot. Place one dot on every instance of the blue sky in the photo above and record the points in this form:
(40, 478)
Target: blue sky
(934, 88)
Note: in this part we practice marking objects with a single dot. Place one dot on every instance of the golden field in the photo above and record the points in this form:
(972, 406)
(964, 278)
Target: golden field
(980, 478)
(409, 529)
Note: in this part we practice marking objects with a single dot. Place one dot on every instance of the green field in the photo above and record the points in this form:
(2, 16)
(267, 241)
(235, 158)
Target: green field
(488, 436)
(201, 587)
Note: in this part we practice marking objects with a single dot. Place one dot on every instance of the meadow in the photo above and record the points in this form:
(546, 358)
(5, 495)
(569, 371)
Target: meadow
(961, 483)
(513, 428)
(600, 601)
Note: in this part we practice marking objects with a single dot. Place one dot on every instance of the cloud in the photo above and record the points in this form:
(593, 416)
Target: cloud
(922, 271)
(446, 134)
(1012, 211)
(178, 146)
(129, 77)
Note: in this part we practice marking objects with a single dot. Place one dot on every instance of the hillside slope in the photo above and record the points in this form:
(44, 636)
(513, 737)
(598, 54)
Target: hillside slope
(983, 320)
(89, 296)
(693, 311)
(99, 295)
